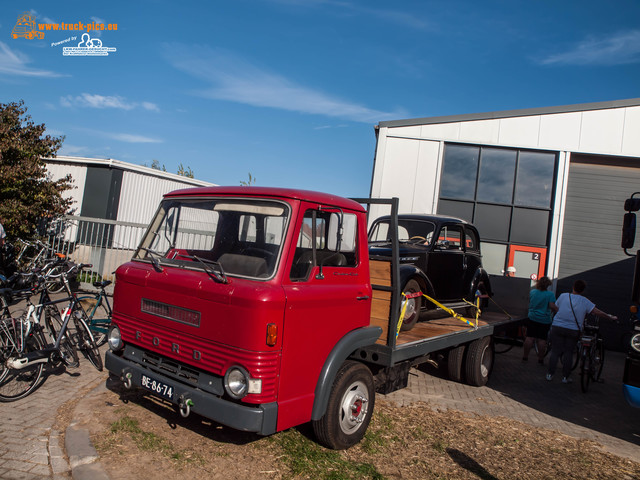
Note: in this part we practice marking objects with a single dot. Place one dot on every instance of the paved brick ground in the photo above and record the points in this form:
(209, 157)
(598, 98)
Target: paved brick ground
(30, 448)
(519, 390)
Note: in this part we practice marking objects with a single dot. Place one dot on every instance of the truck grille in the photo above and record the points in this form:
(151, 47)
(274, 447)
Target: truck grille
(171, 312)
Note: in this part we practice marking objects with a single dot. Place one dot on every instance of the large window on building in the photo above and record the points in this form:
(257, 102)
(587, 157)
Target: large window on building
(507, 193)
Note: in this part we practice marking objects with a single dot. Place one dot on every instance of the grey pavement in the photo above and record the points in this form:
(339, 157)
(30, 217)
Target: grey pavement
(518, 390)
(31, 447)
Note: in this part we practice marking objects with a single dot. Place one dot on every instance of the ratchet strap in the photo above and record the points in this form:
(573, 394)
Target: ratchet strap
(455, 315)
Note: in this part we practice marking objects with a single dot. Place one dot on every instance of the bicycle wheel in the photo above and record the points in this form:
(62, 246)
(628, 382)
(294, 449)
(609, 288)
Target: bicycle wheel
(599, 361)
(17, 383)
(586, 366)
(87, 344)
(55, 285)
(576, 356)
(98, 318)
(53, 322)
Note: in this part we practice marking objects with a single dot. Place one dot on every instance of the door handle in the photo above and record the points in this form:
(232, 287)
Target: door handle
(364, 297)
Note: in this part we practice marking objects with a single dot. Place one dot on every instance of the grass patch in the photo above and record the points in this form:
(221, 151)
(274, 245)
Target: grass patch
(150, 442)
(306, 458)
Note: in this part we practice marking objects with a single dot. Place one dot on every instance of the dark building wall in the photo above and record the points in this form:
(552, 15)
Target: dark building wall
(102, 193)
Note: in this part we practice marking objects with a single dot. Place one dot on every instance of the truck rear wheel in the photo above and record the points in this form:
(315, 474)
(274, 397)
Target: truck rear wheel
(479, 361)
(454, 363)
(349, 409)
(412, 311)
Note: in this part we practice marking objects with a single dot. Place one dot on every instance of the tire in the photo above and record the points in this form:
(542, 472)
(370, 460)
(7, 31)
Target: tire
(53, 322)
(412, 312)
(98, 319)
(87, 344)
(17, 384)
(350, 407)
(577, 353)
(56, 285)
(455, 359)
(479, 362)
(599, 363)
(586, 366)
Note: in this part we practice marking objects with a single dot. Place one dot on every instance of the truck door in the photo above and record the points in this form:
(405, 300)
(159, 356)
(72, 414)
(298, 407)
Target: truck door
(328, 294)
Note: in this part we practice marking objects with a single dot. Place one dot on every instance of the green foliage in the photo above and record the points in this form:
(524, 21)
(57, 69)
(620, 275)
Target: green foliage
(26, 192)
(155, 164)
(305, 457)
(149, 441)
(185, 172)
(247, 183)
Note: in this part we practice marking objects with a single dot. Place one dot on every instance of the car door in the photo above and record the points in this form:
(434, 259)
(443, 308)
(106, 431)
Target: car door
(446, 264)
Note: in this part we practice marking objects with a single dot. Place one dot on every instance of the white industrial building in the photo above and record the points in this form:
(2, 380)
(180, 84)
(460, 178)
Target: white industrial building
(544, 186)
(112, 203)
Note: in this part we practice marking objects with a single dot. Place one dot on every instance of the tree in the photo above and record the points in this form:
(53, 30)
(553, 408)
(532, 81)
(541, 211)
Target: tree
(185, 172)
(251, 181)
(27, 194)
(155, 164)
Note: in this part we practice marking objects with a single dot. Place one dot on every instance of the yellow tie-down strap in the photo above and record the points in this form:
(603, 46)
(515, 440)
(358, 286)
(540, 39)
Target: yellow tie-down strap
(455, 315)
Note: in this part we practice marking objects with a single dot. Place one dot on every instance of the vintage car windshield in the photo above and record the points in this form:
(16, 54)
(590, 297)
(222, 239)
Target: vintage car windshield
(236, 237)
(409, 230)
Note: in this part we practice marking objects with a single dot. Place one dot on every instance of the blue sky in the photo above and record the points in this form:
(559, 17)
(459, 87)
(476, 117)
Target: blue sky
(290, 91)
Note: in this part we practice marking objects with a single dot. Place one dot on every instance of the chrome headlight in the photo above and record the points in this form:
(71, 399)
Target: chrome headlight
(114, 338)
(635, 342)
(236, 382)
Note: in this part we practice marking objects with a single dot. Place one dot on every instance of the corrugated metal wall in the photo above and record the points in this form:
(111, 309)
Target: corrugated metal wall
(79, 175)
(141, 194)
(591, 239)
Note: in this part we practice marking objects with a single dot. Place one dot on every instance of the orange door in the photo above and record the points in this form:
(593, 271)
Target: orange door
(529, 262)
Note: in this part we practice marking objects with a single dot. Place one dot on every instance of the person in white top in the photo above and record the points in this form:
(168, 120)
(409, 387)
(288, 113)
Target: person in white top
(566, 327)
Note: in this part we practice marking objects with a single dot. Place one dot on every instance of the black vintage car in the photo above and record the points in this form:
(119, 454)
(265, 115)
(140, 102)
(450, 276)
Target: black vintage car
(439, 256)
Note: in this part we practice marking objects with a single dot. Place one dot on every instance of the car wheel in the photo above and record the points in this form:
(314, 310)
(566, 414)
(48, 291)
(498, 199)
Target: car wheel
(455, 359)
(413, 306)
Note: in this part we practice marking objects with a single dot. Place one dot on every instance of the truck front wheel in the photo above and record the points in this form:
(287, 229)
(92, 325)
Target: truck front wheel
(349, 409)
(479, 362)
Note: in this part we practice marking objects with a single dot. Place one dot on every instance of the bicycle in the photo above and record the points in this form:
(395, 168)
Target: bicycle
(591, 355)
(98, 312)
(24, 349)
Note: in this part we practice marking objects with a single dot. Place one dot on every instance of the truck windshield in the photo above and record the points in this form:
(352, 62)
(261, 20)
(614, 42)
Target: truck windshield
(220, 236)
(409, 230)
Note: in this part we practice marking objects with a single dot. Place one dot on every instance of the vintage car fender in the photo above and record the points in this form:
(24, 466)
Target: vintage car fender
(480, 275)
(408, 271)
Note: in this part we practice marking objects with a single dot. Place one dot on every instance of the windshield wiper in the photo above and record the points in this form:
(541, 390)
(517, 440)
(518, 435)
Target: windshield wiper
(206, 264)
(153, 256)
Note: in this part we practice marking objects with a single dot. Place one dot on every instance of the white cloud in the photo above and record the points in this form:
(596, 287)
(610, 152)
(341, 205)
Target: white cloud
(97, 33)
(233, 79)
(88, 100)
(618, 49)
(15, 63)
(130, 138)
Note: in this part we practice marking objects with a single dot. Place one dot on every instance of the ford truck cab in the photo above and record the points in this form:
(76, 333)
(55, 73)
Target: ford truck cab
(245, 304)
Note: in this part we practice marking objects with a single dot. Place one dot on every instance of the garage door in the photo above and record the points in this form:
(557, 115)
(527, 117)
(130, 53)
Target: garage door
(591, 237)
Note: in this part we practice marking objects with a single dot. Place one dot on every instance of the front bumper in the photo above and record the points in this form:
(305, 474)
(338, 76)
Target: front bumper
(260, 419)
(631, 381)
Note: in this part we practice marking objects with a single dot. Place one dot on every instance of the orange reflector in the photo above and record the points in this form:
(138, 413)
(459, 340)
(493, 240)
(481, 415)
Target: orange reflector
(272, 334)
(633, 309)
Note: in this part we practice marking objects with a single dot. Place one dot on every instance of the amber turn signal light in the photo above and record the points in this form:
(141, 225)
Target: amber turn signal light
(272, 334)
(633, 309)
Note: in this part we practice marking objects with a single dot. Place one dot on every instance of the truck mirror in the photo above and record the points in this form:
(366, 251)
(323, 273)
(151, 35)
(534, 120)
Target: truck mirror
(628, 230)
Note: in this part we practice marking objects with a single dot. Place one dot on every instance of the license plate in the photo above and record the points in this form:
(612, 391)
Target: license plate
(157, 387)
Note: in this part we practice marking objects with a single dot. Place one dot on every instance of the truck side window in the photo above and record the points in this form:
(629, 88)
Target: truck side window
(333, 248)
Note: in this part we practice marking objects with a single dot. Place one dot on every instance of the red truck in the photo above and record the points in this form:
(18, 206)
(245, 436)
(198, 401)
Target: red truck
(260, 309)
